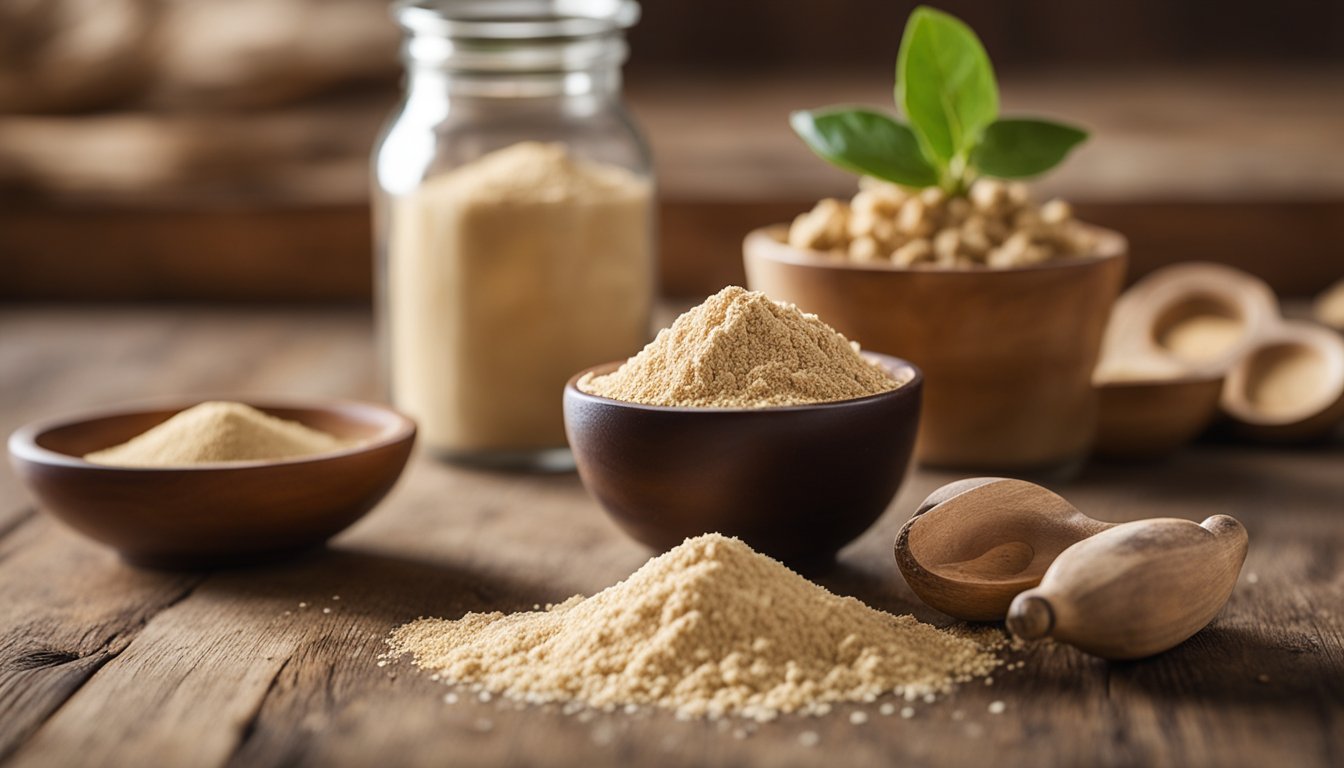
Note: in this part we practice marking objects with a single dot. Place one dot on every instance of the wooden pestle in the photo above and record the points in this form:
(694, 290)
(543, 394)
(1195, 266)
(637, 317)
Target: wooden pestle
(1135, 589)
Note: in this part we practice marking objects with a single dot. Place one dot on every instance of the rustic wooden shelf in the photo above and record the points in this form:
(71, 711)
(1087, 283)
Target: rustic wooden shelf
(102, 663)
(1233, 165)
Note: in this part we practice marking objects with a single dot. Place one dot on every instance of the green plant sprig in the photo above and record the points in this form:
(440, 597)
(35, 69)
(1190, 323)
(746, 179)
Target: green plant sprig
(946, 87)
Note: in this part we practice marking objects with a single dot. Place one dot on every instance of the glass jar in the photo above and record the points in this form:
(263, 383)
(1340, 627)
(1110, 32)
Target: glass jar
(513, 221)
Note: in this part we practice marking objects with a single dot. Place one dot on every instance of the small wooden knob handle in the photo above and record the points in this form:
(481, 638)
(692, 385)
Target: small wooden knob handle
(1030, 617)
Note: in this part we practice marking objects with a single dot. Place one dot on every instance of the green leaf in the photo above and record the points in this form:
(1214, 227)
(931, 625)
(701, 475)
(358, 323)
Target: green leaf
(945, 83)
(1021, 147)
(866, 142)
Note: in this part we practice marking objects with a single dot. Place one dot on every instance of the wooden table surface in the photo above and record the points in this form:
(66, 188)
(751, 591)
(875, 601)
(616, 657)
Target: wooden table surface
(102, 664)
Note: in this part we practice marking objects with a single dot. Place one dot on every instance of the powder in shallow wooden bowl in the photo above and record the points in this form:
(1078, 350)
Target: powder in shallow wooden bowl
(218, 432)
(741, 349)
(710, 628)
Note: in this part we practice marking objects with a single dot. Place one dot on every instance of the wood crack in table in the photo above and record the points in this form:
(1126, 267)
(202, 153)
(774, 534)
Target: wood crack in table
(102, 664)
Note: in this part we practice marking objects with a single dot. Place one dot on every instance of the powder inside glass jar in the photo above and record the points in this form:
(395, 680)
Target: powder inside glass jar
(506, 275)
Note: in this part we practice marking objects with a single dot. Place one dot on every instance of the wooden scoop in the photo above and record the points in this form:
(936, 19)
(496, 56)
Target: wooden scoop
(1171, 340)
(1200, 315)
(973, 545)
(1289, 385)
(1137, 589)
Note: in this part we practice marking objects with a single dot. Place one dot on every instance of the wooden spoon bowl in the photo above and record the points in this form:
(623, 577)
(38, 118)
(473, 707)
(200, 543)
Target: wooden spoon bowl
(212, 514)
(1200, 315)
(1289, 385)
(797, 483)
(973, 545)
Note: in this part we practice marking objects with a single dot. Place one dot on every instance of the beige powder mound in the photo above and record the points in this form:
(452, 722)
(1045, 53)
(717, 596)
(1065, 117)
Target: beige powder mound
(217, 431)
(710, 628)
(740, 349)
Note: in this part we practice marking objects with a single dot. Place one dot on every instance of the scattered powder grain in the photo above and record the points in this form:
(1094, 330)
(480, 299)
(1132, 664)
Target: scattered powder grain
(740, 349)
(710, 628)
(214, 432)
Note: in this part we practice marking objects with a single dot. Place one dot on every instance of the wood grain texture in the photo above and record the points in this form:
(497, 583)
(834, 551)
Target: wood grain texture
(104, 665)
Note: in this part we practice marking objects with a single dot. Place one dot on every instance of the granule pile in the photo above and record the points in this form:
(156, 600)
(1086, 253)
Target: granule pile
(740, 349)
(995, 225)
(710, 628)
(217, 431)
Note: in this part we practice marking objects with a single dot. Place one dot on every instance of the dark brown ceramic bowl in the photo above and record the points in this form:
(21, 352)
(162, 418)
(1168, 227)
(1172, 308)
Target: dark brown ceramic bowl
(797, 483)
(212, 514)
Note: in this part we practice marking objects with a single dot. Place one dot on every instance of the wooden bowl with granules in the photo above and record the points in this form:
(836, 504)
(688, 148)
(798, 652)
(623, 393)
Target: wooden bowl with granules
(1008, 352)
(218, 513)
(795, 482)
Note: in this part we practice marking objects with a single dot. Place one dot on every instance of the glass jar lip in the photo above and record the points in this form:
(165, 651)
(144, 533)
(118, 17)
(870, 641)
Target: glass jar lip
(515, 19)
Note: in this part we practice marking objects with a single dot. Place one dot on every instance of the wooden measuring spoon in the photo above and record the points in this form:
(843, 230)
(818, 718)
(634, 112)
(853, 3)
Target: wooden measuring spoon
(973, 545)
(1169, 344)
(1136, 589)
(1289, 385)
(1199, 314)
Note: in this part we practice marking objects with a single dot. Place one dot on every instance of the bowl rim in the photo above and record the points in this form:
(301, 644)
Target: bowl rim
(765, 243)
(23, 442)
(889, 362)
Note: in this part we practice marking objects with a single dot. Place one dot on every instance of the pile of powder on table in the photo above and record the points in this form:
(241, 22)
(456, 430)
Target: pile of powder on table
(740, 349)
(217, 431)
(710, 628)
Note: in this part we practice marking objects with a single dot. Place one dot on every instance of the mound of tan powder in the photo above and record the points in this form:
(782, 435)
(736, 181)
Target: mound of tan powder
(740, 349)
(217, 431)
(710, 628)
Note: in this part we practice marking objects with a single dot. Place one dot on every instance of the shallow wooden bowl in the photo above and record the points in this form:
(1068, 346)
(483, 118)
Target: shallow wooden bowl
(212, 514)
(1200, 314)
(1008, 354)
(1289, 385)
(797, 483)
(1150, 417)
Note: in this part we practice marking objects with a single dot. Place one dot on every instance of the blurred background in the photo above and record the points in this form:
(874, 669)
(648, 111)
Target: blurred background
(218, 149)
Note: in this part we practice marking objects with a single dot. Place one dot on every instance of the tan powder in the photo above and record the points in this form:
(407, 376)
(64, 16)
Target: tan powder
(740, 349)
(505, 276)
(217, 431)
(710, 628)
